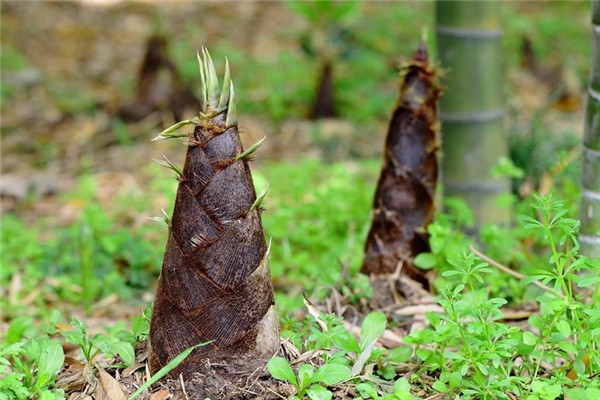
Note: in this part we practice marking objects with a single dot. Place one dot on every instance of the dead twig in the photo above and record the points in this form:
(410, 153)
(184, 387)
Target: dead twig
(183, 386)
(515, 274)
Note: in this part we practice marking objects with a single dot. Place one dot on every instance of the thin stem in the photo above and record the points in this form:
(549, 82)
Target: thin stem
(515, 274)
(559, 269)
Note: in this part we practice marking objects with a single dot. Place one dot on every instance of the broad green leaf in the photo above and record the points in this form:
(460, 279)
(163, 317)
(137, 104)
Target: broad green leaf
(50, 362)
(280, 368)
(366, 389)
(373, 327)
(440, 386)
(529, 339)
(400, 354)
(18, 328)
(564, 328)
(318, 392)
(454, 379)
(346, 341)
(402, 389)
(125, 351)
(425, 260)
(125, 336)
(330, 374)
(579, 394)
(423, 354)
(48, 395)
(567, 346)
(305, 376)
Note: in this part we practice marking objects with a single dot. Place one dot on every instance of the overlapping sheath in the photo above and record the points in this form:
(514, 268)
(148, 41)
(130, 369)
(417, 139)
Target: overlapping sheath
(215, 285)
(404, 199)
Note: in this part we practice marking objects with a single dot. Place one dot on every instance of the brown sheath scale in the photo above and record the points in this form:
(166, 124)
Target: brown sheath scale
(215, 285)
(404, 199)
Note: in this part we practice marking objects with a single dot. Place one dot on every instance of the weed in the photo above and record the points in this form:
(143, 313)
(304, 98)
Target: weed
(467, 348)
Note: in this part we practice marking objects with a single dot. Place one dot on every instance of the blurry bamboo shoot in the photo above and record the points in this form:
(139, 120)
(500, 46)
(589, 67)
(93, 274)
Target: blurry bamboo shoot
(472, 110)
(404, 201)
(589, 236)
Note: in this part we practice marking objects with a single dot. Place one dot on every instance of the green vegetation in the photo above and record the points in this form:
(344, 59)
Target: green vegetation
(465, 350)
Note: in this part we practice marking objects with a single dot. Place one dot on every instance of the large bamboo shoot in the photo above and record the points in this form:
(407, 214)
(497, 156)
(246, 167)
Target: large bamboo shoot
(215, 285)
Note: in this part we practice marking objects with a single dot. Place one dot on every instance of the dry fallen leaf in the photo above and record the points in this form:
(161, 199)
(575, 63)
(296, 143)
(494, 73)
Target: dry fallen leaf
(161, 395)
(109, 388)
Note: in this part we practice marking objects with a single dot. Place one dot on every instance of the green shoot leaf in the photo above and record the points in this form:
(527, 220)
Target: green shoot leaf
(280, 368)
(318, 392)
(373, 327)
(330, 374)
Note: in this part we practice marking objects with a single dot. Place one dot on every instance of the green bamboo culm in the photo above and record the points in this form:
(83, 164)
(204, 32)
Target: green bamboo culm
(472, 110)
(589, 214)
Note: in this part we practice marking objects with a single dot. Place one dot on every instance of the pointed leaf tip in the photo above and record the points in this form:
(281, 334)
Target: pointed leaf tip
(224, 99)
(203, 93)
(250, 150)
(259, 199)
(231, 119)
(168, 164)
(212, 81)
(171, 133)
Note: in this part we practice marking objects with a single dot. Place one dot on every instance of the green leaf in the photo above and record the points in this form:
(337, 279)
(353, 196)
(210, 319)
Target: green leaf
(452, 273)
(373, 327)
(426, 260)
(305, 376)
(402, 389)
(440, 386)
(280, 368)
(589, 281)
(400, 354)
(529, 339)
(564, 328)
(423, 354)
(567, 346)
(346, 341)
(453, 356)
(318, 392)
(367, 389)
(18, 328)
(454, 379)
(330, 374)
(482, 368)
(579, 394)
(49, 395)
(50, 362)
(125, 351)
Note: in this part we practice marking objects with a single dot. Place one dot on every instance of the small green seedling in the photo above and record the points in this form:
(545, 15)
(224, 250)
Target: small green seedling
(307, 380)
(99, 343)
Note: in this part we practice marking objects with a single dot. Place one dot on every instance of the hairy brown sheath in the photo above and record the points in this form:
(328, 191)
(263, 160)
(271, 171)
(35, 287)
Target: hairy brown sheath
(404, 199)
(215, 285)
